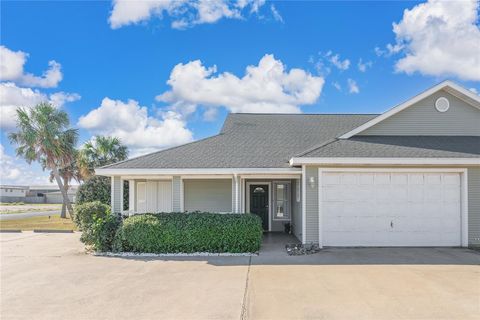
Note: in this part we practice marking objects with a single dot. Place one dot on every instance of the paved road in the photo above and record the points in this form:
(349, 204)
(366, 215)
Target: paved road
(24, 215)
(49, 276)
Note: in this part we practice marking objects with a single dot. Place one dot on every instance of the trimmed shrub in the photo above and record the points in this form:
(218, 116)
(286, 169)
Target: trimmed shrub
(97, 188)
(190, 232)
(100, 235)
(87, 213)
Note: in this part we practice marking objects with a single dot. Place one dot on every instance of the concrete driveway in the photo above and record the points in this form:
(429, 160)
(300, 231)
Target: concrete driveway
(48, 276)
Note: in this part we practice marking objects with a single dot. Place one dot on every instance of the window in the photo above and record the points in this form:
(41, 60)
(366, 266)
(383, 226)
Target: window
(281, 201)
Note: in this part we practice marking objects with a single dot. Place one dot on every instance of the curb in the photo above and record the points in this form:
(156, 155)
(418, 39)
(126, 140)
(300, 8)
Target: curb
(160, 255)
(51, 231)
(11, 231)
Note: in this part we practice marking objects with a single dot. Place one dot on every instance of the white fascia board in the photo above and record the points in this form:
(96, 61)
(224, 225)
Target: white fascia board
(186, 171)
(408, 103)
(387, 161)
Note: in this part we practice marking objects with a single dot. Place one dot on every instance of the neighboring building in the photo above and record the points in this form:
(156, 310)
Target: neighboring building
(35, 194)
(407, 177)
(7, 191)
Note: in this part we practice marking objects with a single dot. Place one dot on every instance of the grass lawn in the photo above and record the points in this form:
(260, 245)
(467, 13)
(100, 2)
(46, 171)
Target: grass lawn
(54, 222)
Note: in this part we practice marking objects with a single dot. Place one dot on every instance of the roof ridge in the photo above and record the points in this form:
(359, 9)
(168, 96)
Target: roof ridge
(159, 151)
(304, 114)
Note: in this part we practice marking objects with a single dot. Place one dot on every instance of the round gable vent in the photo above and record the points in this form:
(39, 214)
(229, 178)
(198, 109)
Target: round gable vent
(442, 104)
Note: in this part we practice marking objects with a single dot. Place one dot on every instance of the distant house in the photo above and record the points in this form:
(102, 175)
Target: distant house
(7, 192)
(35, 194)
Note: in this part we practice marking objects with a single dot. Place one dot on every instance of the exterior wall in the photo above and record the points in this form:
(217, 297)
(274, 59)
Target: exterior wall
(461, 119)
(12, 192)
(213, 195)
(177, 194)
(297, 209)
(473, 194)
(474, 206)
(311, 205)
(22, 199)
(116, 195)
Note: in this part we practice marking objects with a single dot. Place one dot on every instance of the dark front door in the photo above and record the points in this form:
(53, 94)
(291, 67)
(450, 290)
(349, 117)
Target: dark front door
(259, 202)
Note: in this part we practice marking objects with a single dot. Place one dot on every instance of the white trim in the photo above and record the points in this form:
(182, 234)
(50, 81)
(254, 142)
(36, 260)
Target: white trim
(182, 195)
(148, 177)
(463, 191)
(390, 161)
(186, 171)
(112, 194)
(319, 204)
(464, 194)
(235, 179)
(131, 197)
(121, 195)
(457, 90)
(304, 203)
(247, 197)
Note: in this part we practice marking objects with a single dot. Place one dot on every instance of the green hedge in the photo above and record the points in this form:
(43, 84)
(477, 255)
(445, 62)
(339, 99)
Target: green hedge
(190, 232)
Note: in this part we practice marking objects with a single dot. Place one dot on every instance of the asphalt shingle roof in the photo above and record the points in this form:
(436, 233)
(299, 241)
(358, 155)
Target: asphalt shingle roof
(252, 141)
(400, 147)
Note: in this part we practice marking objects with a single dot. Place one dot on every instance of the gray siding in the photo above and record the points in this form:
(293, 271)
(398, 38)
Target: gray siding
(214, 195)
(474, 206)
(311, 206)
(297, 210)
(461, 119)
(176, 194)
(116, 194)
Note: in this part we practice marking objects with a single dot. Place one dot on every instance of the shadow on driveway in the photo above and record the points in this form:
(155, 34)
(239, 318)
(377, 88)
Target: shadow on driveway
(273, 252)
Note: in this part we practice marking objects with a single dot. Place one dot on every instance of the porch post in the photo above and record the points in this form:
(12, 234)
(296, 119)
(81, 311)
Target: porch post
(131, 197)
(116, 194)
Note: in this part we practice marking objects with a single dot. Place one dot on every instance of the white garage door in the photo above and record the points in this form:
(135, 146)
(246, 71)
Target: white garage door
(390, 209)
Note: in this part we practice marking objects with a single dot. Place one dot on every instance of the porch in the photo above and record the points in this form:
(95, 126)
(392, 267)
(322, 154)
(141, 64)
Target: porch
(276, 198)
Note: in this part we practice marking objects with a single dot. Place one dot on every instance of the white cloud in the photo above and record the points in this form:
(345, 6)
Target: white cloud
(183, 13)
(18, 172)
(337, 86)
(13, 97)
(276, 15)
(12, 69)
(439, 38)
(266, 87)
(339, 63)
(363, 66)
(474, 90)
(131, 123)
(352, 86)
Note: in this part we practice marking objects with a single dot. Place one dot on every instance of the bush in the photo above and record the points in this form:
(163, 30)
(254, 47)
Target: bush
(97, 188)
(87, 213)
(190, 232)
(100, 235)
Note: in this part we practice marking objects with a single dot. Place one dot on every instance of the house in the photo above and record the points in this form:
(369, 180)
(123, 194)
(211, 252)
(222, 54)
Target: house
(407, 177)
(9, 193)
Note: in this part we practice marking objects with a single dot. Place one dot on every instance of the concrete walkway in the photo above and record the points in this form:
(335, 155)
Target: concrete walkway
(49, 276)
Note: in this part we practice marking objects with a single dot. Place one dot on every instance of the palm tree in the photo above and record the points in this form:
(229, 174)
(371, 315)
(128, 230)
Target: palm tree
(44, 136)
(100, 151)
(68, 173)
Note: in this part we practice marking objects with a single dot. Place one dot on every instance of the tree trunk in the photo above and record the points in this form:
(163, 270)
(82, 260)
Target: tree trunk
(63, 214)
(66, 201)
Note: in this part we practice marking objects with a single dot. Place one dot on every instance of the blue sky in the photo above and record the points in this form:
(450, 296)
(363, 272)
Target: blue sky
(115, 63)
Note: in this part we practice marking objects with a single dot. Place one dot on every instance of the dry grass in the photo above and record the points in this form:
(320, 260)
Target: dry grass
(53, 222)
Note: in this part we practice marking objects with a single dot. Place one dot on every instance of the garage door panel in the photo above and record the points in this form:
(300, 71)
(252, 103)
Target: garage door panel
(391, 209)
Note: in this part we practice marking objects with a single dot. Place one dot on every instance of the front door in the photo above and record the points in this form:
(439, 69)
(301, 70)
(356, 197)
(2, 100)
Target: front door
(259, 202)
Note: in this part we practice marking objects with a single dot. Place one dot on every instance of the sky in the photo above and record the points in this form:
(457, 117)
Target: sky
(162, 73)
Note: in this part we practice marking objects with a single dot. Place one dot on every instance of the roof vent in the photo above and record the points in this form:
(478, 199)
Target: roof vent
(442, 104)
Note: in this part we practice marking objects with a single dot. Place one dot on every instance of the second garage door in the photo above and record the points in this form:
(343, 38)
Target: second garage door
(390, 209)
